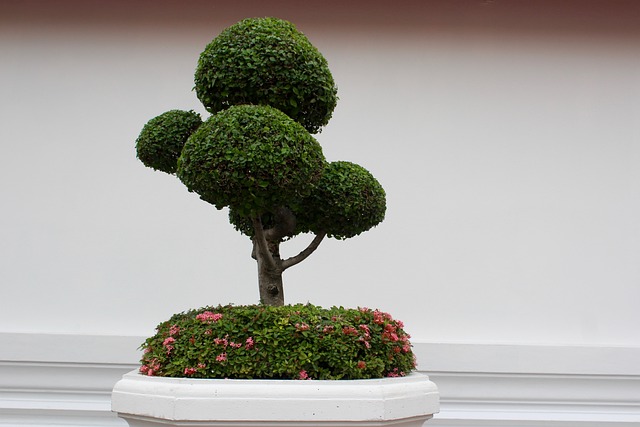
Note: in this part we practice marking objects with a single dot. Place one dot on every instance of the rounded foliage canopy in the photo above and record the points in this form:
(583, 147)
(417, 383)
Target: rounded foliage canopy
(252, 159)
(346, 201)
(267, 88)
(162, 138)
(267, 61)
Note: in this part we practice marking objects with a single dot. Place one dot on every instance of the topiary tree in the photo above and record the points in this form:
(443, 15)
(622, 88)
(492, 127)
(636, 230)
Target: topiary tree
(267, 89)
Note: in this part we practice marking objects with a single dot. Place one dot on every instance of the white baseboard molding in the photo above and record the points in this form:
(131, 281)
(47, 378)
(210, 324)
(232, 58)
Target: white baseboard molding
(489, 385)
(58, 394)
(506, 400)
(66, 380)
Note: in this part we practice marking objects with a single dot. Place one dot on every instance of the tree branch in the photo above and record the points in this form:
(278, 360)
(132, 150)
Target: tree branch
(261, 248)
(290, 262)
(285, 225)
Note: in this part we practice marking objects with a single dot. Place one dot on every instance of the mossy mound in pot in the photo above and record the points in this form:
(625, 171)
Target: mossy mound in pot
(286, 342)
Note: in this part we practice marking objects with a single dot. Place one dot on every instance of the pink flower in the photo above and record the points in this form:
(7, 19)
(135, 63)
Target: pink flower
(367, 335)
(235, 344)
(365, 340)
(168, 344)
(349, 330)
(221, 341)
(389, 333)
(190, 371)
(154, 366)
(150, 370)
(209, 317)
(201, 366)
(249, 343)
(396, 373)
(302, 327)
(406, 348)
(364, 309)
(221, 357)
(379, 317)
(303, 375)
(174, 330)
(362, 364)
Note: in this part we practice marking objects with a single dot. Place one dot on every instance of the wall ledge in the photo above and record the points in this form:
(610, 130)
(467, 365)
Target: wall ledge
(66, 380)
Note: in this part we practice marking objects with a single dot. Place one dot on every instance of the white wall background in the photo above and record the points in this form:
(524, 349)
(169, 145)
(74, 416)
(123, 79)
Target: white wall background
(507, 137)
(508, 143)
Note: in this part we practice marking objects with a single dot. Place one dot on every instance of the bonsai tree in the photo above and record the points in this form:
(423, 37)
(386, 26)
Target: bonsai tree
(268, 90)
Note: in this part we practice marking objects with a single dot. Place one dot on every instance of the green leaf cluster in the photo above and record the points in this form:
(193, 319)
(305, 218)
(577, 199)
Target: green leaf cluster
(287, 342)
(267, 88)
(251, 158)
(267, 61)
(162, 138)
(345, 202)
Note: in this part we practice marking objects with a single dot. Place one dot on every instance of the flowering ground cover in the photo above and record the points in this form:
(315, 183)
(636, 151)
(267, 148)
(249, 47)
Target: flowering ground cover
(286, 342)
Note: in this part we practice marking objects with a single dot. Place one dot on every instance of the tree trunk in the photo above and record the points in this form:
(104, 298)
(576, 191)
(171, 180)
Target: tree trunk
(270, 284)
(269, 274)
(266, 251)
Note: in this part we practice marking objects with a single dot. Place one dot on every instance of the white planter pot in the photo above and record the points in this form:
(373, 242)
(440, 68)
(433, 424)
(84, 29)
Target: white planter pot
(155, 401)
